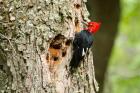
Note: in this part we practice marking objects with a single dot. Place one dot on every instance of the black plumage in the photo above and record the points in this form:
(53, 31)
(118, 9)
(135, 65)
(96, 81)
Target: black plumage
(81, 44)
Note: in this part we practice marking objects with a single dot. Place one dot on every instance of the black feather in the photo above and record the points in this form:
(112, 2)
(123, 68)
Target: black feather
(82, 41)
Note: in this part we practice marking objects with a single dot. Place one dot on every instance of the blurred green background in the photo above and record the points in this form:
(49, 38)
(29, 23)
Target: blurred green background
(123, 75)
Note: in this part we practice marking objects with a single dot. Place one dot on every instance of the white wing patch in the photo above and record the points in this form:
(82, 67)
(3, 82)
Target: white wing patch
(83, 52)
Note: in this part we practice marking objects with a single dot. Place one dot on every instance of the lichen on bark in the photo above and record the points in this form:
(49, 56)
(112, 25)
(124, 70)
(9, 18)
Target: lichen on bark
(29, 27)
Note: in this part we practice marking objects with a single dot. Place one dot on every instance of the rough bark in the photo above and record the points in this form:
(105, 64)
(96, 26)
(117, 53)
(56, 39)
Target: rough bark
(36, 49)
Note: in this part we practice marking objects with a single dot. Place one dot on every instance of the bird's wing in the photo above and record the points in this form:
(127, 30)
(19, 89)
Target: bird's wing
(78, 40)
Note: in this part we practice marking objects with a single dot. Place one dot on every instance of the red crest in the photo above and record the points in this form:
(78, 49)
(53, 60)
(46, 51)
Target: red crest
(93, 27)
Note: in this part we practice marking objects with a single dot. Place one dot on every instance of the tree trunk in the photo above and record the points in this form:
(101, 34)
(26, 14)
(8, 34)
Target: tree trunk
(35, 48)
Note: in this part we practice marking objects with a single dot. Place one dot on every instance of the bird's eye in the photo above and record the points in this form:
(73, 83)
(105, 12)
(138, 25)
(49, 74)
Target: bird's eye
(91, 25)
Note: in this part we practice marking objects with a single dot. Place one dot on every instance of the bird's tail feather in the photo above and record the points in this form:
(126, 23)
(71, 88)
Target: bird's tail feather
(76, 59)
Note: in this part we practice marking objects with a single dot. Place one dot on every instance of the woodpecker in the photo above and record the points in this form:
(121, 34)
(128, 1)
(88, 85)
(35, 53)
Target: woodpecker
(82, 42)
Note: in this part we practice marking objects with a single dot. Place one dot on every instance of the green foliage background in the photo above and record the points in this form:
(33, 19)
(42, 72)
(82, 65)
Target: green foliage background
(124, 68)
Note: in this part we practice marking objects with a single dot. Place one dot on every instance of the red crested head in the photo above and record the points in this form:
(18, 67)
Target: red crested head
(93, 27)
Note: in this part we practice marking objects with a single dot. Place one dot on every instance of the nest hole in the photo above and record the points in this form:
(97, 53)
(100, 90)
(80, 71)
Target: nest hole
(59, 36)
(56, 46)
(57, 41)
(55, 58)
(64, 53)
(68, 42)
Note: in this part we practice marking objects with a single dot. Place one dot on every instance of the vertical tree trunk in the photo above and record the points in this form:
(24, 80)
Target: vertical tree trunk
(35, 48)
